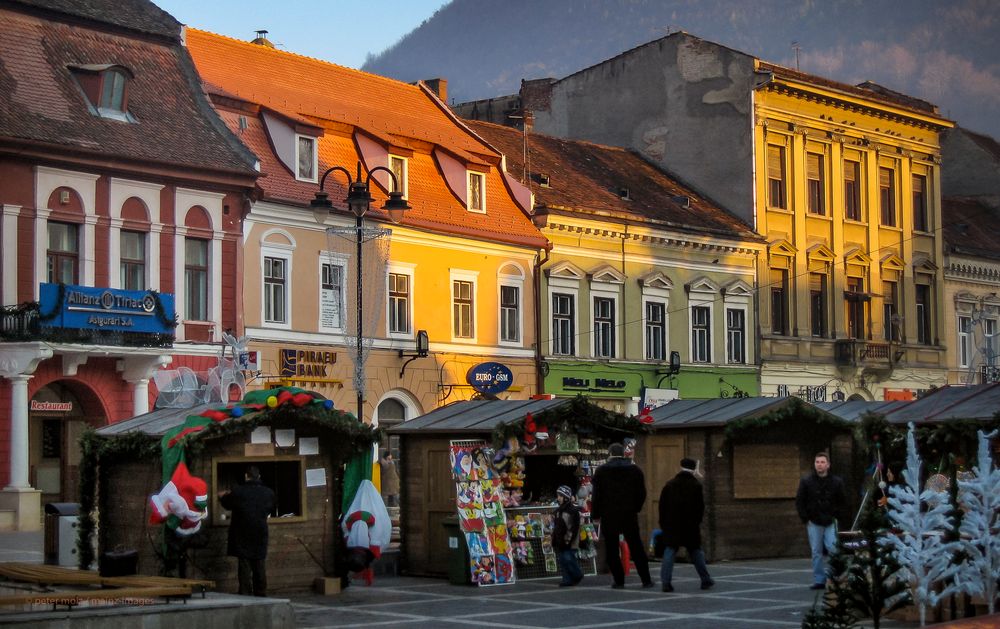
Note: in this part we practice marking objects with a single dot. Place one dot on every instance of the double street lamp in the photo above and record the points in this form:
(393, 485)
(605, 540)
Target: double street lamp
(359, 200)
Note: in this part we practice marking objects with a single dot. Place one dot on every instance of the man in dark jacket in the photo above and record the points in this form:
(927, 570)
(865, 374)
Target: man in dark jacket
(820, 500)
(619, 493)
(250, 503)
(682, 507)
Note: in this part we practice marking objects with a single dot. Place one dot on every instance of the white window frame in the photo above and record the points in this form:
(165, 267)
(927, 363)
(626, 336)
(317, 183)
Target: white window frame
(145, 257)
(404, 179)
(468, 191)
(574, 295)
(737, 296)
(332, 259)
(511, 276)
(729, 344)
(285, 252)
(965, 338)
(401, 268)
(315, 158)
(459, 275)
(711, 320)
(663, 303)
(989, 341)
(613, 298)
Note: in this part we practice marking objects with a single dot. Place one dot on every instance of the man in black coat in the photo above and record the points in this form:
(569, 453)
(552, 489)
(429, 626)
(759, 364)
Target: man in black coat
(682, 507)
(250, 503)
(619, 493)
(820, 500)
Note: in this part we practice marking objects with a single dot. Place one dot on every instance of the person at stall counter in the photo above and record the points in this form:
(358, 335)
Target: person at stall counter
(682, 507)
(820, 500)
(566, 537)
(619, 493)
(250, 503)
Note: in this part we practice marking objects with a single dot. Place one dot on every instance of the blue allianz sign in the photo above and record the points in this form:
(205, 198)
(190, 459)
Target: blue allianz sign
(490, 378)
(110, 309)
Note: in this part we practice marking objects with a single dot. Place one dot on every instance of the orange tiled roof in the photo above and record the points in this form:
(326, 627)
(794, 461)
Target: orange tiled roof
(585, 178)
(300, 87)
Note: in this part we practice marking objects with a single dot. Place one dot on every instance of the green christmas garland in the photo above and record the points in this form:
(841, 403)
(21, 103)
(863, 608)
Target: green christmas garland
(580, 415)
(794, 415)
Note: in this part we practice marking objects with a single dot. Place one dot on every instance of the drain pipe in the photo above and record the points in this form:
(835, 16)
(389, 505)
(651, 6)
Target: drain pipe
(537, 273)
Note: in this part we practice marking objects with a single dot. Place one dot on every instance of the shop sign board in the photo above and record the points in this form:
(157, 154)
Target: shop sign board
(306, 363)
(108, 309)
(490, 377)
(652, 398)
(51, 407)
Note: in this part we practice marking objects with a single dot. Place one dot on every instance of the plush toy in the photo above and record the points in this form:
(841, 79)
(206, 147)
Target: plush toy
(182, 504)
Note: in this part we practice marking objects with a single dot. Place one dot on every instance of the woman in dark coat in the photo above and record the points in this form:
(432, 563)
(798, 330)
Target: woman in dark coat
(250, 503)
(682, 507)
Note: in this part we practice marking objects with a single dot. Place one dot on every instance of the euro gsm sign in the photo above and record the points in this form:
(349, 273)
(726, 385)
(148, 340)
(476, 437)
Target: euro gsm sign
(491, 378)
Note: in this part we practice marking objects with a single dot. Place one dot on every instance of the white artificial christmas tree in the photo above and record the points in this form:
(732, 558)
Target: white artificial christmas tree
(916, 537)
(980, 528)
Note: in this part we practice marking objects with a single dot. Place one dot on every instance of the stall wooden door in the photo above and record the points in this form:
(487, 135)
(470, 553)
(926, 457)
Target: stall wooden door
(440, 494)
(664, 460)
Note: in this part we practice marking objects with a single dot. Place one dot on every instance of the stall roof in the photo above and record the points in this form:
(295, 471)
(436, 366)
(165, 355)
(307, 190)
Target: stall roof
(714, 412)
(852, 410)
(475, 416)
(155, 423)
(951, 402)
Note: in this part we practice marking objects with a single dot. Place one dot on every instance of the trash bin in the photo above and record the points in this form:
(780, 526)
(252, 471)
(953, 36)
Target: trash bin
(61, 521)
(459, 572)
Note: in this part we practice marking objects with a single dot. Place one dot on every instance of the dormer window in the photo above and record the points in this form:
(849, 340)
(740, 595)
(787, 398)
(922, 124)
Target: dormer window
(398, 167)
(106, 89)
(477, 193)
(305, 158)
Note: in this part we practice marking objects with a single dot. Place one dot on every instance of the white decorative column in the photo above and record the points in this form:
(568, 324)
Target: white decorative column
(17, 362)
(8, 253)
(137, 370)
(19, 432)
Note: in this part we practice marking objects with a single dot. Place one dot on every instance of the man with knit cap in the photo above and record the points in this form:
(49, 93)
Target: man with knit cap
(619, 493)
(566, 537)
(682, 507)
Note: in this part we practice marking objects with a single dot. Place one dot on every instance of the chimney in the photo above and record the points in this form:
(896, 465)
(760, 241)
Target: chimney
(262, 40)
(439, 87)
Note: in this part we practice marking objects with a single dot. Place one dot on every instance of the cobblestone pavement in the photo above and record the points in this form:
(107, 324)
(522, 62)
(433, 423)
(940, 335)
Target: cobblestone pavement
(747, 594)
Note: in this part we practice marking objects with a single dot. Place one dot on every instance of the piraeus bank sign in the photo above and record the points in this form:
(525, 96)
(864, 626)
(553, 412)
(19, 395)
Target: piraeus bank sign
(306, 363)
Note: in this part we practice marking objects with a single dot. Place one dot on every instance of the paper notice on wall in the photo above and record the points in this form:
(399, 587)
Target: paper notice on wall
(308, 445)
(261, 434)
(316, 477)
(284, 437)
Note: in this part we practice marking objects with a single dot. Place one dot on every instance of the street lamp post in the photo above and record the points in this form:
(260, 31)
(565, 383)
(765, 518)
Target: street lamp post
(359, 201)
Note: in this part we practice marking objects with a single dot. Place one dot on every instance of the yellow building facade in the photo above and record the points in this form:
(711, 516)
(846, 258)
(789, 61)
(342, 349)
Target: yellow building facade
(848, 196)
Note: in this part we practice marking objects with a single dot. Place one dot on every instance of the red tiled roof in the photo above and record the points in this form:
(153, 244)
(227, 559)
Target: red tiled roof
(41, 102)
(305, 86)
(341, 99)
(971, 226)
(586, 178)
(988, 144)
(137, 15)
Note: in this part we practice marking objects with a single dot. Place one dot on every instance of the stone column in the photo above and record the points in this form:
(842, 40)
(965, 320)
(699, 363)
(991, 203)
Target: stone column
(19, 432)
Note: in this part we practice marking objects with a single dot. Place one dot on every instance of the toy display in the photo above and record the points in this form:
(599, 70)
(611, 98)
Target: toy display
(481, 515)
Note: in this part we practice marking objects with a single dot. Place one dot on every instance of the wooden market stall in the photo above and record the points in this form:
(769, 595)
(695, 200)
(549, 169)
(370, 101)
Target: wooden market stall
(540, 444)
(300, 449)
(752, 453)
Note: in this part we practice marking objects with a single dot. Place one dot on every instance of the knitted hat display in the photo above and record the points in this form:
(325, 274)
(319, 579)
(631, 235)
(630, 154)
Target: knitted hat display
(182, 504)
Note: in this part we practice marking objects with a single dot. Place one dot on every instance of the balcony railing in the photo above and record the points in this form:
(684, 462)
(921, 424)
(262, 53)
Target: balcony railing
(861, 353)
(989, 374)
(23, 323)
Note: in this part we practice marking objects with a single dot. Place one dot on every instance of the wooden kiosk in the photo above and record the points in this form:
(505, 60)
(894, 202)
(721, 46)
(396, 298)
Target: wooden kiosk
(558, 442)
(300, 450)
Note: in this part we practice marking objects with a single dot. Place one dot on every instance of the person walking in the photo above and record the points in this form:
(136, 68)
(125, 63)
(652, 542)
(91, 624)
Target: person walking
(566, 537)
(390, 479)
(619, 492)
(250, 503)
(682, 507)
(820, 500)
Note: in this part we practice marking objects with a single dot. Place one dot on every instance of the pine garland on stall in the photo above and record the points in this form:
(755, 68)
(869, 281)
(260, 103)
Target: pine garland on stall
(917, 537)
(980, 528)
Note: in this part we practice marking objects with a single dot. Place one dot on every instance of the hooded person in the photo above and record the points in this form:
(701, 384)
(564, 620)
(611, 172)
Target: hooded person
(619, 488)
(682, 508)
